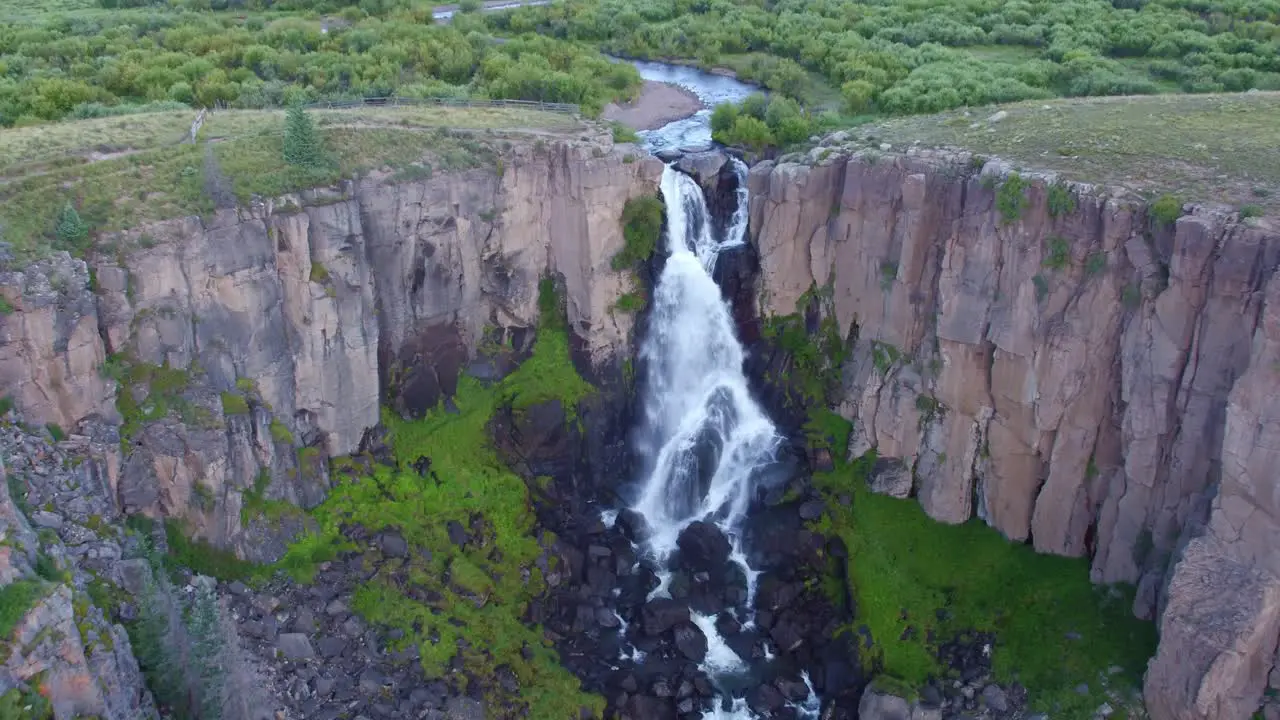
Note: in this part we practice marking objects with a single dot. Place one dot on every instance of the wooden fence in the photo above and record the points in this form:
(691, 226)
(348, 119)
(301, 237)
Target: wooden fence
(568, 108)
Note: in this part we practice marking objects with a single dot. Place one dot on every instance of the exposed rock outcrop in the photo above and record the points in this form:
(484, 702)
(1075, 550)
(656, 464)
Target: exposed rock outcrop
(62, 647)
(252, 345)
(1058, 361)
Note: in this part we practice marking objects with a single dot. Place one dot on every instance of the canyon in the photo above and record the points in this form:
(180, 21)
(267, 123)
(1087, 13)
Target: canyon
(1062, 362)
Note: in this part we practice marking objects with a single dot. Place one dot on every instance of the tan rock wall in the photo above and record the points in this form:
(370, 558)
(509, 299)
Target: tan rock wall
(308, 306)
(1095, 402)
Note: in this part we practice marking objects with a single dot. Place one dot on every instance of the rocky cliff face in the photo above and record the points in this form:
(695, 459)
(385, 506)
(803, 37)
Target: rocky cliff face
(252, 345)
(1079, 373)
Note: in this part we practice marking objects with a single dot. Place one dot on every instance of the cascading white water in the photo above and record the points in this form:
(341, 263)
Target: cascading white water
(698, 410)
(704, 434)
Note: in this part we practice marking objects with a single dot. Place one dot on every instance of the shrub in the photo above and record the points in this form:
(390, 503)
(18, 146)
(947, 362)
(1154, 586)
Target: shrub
(1058, 254)
(280, 433)
(1096, 263)
(1166, 209)
(1041, 286)
(641, 228)
(233, 404)
(56, 432)
(749, 132)
(623, 134)
(1250, 211)
(1061, 201)
(631, 302)
(16, 599)
(1011, 198)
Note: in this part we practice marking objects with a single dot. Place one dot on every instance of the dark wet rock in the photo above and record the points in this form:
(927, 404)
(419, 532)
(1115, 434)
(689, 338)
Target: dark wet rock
(703, 546)
(457, 534)
(331, 647)
(811, 510)
(650, 708)
(993, 696)
(662, 614)
(507, 679)
(633, 525)
(690, 641)
(793, 689)
(774, 593)
(394, 545)
(662, 688)
(766, 700)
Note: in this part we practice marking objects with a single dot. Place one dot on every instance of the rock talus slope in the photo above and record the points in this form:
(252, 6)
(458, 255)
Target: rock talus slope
(251, 345)
(1079, 373)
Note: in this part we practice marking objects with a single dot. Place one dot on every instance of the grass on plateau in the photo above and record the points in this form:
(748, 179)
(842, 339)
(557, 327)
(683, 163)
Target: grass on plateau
(119, 172)
(465, 601)
(1054, 629)
(1223, 148)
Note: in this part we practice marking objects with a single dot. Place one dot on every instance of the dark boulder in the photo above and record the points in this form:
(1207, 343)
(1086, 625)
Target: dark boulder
(662, 614)
(703, 547)
(690, 641)
(633, 525)
(647, 707)
(766, 700)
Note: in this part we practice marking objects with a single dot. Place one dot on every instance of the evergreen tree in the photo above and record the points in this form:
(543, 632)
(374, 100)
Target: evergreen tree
(71, 229)
(302, 145)
(204, 628)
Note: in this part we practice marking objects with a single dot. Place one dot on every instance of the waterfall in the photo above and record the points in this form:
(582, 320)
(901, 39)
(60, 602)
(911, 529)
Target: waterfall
(703, 434)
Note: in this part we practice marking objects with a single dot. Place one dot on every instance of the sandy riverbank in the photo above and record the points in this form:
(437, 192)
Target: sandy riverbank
(657, 105)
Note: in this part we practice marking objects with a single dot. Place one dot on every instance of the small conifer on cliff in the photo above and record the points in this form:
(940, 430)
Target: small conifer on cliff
(302, 145)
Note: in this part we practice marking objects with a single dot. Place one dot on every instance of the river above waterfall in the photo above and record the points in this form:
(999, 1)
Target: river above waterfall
(711, 89)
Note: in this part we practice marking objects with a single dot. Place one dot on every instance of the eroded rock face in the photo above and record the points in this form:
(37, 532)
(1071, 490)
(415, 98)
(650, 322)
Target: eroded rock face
(1101, 383)
(310, 311)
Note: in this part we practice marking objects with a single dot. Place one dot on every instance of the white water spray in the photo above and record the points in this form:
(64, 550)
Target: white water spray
(705, 434)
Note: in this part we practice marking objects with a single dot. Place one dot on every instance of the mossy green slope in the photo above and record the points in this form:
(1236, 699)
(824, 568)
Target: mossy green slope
(470, 600)
(1054, 629)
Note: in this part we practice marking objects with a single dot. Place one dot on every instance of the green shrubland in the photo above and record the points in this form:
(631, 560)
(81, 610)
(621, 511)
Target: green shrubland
(938, 54)
(149, 56)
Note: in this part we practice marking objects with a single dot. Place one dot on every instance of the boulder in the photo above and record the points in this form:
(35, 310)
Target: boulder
(633, 525)
(704, 167)
(295, 646)
(690, 641)
(661, 614)
(878, 705)
(703, 546)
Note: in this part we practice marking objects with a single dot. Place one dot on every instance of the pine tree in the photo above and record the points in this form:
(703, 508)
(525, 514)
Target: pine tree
(204, 628)
(71, 229)
(302, 145)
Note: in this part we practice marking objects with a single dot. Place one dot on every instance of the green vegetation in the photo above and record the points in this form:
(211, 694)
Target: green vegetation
(761, 123)
(938, 54)
(1095, 263)
(280, 433)
(254, 502)
(641, 232)
(71, 230)
(1218, 148)
(815, 355)
(623, 134)
(26, 705)
(55, 431)
(478, 592)
(632, 302)
(162, 180)
(191, 53)
(1250, 211)
(1061, 201)
(1041, 286)
(1054, 630)
(203, 558)
(303, 147)
(1166, 209)
(160, 386)
(233, 404)
(16, 599)
(1057, 254)
(884, 355)
(1011, 198)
